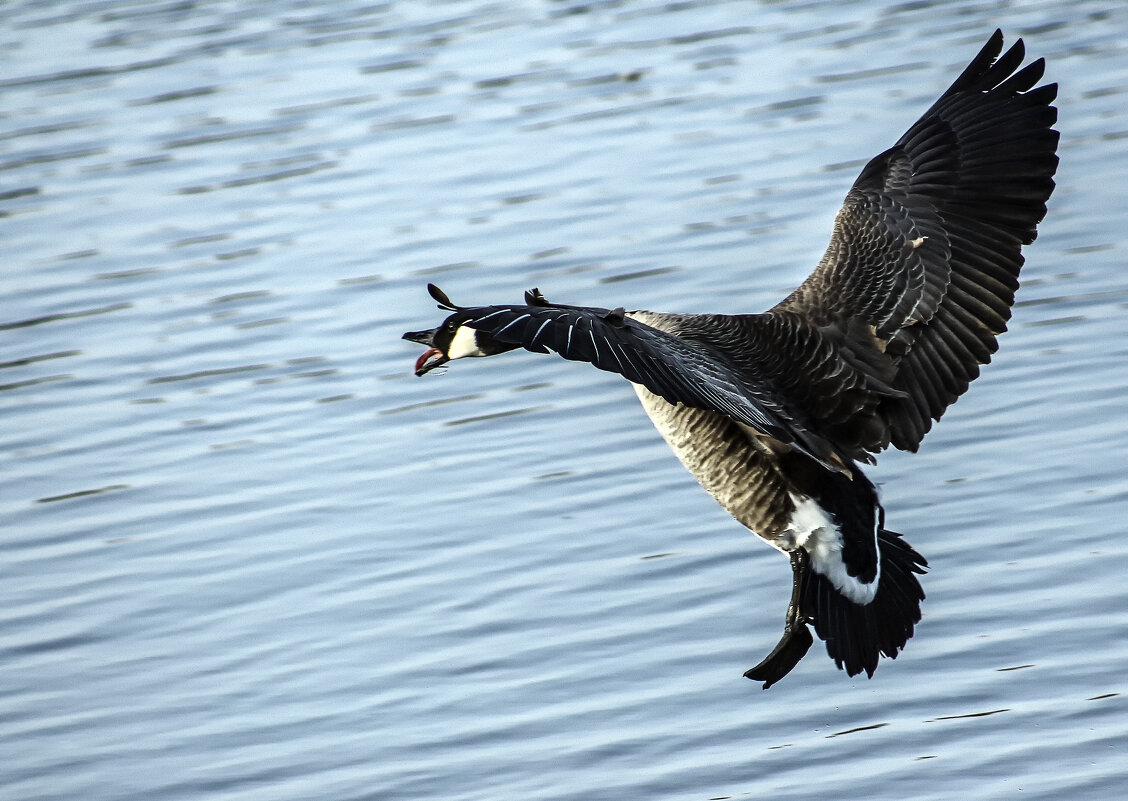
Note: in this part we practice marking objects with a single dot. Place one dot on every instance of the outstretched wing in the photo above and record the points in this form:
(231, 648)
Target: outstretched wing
(679, 370)
(927, 247)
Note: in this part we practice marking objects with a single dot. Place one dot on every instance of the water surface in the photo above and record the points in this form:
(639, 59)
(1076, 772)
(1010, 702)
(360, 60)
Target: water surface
(246, 554)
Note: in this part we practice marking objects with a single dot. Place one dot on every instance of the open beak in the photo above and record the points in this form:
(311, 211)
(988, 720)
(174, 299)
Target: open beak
(432, 357)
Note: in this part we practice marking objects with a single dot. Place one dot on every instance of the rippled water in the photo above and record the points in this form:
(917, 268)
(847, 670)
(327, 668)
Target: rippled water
(246, 554)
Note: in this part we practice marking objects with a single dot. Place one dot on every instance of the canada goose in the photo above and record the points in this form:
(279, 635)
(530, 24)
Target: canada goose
(772, 412)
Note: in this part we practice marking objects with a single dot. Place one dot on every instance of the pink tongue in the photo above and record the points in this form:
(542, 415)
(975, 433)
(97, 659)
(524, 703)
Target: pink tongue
(427, 354)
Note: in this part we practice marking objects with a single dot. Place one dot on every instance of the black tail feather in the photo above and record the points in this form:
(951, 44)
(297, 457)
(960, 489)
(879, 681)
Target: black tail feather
(857, 636)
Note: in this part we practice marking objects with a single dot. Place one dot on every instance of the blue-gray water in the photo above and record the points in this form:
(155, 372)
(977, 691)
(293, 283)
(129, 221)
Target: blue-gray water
(247, 555)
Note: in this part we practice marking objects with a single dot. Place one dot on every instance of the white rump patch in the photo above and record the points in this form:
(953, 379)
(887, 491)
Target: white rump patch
(464, 343)
(813, 529)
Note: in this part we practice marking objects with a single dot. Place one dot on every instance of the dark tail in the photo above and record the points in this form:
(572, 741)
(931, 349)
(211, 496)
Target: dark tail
(856, 636)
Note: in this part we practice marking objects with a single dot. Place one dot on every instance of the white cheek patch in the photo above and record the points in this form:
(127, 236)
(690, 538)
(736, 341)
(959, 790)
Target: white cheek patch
(813, 529)
(464, 344)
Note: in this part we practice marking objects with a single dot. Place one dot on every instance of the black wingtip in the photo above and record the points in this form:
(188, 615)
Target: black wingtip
(441, 297)
(534, 298)
(972, 78)
(995, 44)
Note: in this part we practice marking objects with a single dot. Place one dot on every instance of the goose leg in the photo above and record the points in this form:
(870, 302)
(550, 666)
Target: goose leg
(796, 637)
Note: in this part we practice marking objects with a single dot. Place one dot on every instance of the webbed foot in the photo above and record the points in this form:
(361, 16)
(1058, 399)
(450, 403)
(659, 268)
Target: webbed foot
(796, 639)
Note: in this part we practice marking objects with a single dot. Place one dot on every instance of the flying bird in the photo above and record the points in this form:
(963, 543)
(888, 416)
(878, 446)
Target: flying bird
(774, 412)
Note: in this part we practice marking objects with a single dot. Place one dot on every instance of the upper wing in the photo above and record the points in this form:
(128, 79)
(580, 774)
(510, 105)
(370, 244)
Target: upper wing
(927, 247)
(679, 370)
